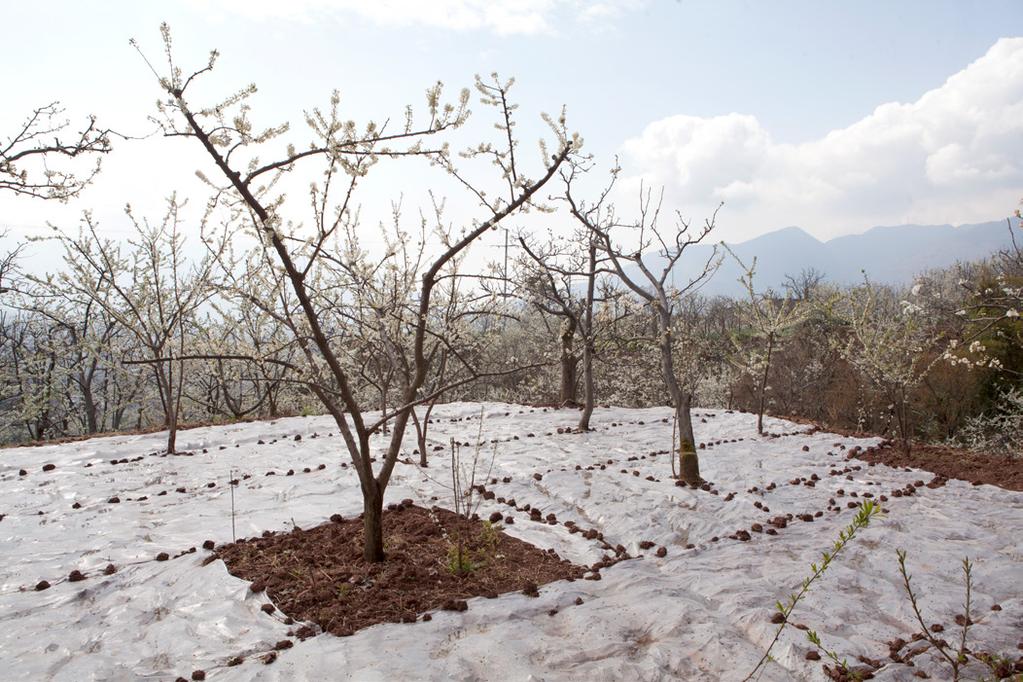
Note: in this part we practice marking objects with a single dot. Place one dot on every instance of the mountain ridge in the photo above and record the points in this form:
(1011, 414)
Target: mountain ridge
(889, 254)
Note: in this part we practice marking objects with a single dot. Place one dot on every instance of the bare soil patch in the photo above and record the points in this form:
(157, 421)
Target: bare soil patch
(975, 467)
(318, 575)
(949, 462)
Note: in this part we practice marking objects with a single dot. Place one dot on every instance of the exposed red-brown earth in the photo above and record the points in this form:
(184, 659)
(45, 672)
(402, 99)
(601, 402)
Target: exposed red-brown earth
(966, 465)
(318, 575)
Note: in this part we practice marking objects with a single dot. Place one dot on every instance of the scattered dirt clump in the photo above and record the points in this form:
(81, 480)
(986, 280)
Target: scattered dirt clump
(319, 575)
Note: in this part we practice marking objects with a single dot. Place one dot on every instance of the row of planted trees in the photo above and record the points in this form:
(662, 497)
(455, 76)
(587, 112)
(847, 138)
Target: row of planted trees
(92, 347)
(276, 306)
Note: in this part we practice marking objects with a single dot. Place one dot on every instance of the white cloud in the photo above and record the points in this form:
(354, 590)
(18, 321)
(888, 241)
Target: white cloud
(508, 17)
(954, 155)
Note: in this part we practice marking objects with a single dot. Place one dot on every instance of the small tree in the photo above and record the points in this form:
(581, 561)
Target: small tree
(766, 320)
(148, 289)
(649, 283)
(550, 271)
(701, 348)
(892, 346)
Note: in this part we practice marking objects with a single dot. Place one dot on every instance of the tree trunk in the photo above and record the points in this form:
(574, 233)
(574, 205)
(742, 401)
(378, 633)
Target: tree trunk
(271, 400)
(763, 385)
(569, 363)
(172, 434)
(170, 415)
(372, 523)
(89, 400)
(902, 413)
(421, 436)
(588, 398)
(588, 340)
(689, 462)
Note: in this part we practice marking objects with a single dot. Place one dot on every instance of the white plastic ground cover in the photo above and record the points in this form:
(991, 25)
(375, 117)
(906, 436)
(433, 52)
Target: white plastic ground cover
(701, 613)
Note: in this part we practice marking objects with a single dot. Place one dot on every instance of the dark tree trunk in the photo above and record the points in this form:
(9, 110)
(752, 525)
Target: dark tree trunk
(569, 364)
(588, 341)
(372, 522)
(172, 434)
(170, 414)
(421, 426)
(271, 400)
(588, 390)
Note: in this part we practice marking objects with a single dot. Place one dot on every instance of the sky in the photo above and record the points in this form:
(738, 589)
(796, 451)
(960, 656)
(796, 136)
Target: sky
(833, 116)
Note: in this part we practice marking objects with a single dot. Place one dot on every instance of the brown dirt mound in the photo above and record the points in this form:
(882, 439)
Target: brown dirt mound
(974, 467)
(319, 575)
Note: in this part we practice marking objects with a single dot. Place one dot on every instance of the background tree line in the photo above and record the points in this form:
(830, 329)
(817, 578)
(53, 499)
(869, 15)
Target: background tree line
(936, 361)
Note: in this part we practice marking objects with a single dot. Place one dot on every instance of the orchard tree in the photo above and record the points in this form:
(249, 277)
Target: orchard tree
(701, 348)
(989, 318)
(550, 272)
(304, 260)
(148, 287)
(766, 320)
(633, 265)
(892, 345)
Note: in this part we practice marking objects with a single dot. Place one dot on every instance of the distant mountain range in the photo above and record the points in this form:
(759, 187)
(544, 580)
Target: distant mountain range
(890, 255)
